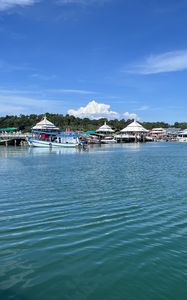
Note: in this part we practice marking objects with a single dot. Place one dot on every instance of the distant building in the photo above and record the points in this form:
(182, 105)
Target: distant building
(134, 132)
(105, 130)
(134, 128)
(158, 132)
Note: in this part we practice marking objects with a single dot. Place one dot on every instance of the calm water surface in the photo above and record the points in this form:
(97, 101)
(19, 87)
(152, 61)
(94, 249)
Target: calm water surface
(105, 224)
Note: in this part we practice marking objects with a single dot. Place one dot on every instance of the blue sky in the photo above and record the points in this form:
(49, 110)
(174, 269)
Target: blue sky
(94, 58)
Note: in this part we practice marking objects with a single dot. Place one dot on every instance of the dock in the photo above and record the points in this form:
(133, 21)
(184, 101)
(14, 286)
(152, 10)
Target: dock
(13, 138)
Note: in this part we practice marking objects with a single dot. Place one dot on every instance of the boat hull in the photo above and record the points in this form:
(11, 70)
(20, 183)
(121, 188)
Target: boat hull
(108, 141)
(47, 144)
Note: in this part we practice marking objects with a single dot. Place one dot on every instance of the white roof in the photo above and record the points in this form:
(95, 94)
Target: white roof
(105, 128)
(134, 127)
(158, 130)
(184, 131)
(45, 124)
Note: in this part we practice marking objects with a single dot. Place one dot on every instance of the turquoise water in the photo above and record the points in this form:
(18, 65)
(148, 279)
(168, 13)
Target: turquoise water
(107, 223)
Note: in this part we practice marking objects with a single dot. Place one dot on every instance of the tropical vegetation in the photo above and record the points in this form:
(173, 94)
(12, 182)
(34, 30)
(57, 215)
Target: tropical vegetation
(26, 122)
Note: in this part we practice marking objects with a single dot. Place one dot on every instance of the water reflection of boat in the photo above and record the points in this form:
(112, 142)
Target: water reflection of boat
(48, 151)
(46, 135)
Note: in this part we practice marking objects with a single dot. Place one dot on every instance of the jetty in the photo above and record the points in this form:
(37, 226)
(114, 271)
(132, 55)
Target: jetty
(10, 136)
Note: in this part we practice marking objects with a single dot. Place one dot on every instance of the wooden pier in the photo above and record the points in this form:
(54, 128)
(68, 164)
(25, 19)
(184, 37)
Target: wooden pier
(15, 138)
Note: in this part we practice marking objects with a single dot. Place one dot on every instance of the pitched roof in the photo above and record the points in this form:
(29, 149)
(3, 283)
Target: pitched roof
(45, 124)
(134, 127)
(105, 128)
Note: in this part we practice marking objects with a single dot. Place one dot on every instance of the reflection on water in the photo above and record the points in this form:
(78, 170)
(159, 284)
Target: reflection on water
(6, 152)
(9, 151)
(19, 151)
(47, 151)
(103, 224)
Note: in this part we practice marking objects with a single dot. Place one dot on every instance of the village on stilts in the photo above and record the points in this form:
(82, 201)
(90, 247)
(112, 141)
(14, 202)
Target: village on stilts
(46, 134)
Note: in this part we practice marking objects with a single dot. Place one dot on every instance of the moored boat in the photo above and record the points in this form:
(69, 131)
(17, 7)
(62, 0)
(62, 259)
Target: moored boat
(108, 140)
(46, 134)
(182, 136)
(53, 141)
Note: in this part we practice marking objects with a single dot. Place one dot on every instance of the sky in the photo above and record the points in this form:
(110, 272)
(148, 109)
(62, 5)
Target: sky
(94, 58)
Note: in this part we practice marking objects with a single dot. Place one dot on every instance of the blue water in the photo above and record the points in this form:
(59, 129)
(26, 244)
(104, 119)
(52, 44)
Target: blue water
(109, 223)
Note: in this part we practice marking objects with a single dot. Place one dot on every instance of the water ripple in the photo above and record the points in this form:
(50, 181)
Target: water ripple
(109, 223)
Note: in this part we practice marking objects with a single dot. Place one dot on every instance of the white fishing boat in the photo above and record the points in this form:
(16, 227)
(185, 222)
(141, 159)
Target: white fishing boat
(182, 136)
(46, 134)
(108, 140)
(51, 141)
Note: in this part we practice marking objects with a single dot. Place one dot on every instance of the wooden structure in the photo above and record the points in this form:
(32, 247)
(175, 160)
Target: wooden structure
(13, 138)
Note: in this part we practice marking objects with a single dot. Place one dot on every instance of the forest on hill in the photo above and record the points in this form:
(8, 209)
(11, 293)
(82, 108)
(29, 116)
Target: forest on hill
(26, 122)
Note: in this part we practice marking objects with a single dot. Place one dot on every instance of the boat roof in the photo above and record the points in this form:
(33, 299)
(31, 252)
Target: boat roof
(160, 129)
(57, 133)
(184, 131)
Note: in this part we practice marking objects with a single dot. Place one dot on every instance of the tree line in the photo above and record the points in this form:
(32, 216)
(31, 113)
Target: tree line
(26, 122)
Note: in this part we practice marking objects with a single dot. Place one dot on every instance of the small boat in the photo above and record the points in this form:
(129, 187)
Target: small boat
(46, 134)
(93, 140)
(149, 139)
(182, 136)
(108, 140)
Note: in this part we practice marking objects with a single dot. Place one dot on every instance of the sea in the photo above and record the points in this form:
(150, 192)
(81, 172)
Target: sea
(107, 222)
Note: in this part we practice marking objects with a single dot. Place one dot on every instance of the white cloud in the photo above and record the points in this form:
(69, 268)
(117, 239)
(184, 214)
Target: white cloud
(81, 2)
(43, 77)
(166, 62)
(94, 110)
(130, 116)
(66, 2)
(12, 102)
(71, 91)
(144, 107)
(11, 67)
(7, 4)
(18, 102)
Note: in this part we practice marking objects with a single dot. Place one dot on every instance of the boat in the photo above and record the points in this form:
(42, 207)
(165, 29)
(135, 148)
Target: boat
(149, 138)
(46, 134)
(92, 140)
(51, 140)
(182, 136)
(108, 140)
